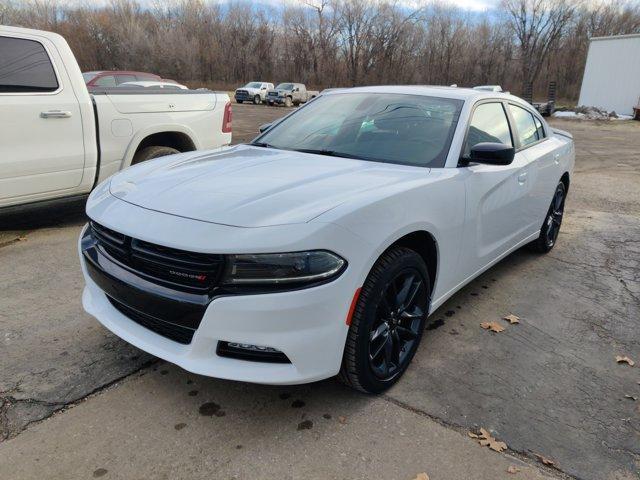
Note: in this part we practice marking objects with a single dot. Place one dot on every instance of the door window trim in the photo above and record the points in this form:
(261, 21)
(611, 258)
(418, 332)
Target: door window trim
(484, 101)
(53, 64)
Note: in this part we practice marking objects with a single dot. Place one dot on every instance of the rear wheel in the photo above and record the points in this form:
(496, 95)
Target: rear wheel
(388, 321)
(152, 152)
(552, 222)
(256, 100)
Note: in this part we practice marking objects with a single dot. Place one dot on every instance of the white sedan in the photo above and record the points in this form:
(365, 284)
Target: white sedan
(322, 247)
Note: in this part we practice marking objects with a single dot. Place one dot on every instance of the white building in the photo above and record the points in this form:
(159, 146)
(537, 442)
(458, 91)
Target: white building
(612, 74)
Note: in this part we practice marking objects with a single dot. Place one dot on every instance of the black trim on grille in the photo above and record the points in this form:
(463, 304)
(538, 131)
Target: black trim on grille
(174, 332)
(225, 350)
(179, 269)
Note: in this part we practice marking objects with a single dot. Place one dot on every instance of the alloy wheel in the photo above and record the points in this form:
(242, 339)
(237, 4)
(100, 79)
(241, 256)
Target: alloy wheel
(554, 217)
(399, 314)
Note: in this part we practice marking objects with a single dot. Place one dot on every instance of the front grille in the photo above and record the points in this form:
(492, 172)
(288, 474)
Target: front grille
(168, 330)
(190, 271)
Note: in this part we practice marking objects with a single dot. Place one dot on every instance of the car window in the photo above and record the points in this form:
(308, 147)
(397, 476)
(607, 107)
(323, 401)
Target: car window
(488, 124)
(392, 128)
(25, 67)
(106, 81)
(526, 127)
(539, 128)
(125, 78)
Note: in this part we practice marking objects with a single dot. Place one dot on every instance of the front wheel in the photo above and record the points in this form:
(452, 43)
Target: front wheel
(552, 222)
(288, 102)
(239, 101)
(388, 321)
(256, 100)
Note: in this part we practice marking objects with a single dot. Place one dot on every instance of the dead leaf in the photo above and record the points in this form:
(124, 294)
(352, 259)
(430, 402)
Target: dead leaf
(342, 420)
(513, 469)
(422, 476)
(22, 238)
(472, 435)
(512, 319)
(625, 359)
(545, 460)
(486, 440)
(492, 326)
(631, 397)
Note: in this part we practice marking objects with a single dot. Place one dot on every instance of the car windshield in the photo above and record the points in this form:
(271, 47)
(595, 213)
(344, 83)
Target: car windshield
(253, 85)
(392, 128)
(285, 86)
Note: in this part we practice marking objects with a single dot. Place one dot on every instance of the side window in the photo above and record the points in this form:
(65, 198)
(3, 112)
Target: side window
(125, 78)
(106, 81)
(527, 131)
(539, 128)
(488, 124)
(25, 67)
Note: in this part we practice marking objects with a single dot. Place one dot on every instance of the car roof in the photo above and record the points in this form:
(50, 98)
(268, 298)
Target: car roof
(428, 90)
(122, 72)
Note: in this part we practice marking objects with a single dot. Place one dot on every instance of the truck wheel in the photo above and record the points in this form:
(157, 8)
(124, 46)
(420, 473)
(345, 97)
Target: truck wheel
(288, 102)
(239, 101)
(257, 100)
(152, 152)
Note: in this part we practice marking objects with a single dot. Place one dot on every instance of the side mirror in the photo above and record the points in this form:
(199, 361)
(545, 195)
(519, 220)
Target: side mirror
(492, 153)
(264, 127)
(263, 88)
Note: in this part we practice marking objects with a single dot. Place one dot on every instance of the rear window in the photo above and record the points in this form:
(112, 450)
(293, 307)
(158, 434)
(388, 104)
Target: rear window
(106, 81)
(526, 127)
(25, 67)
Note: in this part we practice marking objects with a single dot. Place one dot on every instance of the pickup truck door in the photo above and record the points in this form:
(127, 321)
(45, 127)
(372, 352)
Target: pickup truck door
(41, 133)
(496, 195)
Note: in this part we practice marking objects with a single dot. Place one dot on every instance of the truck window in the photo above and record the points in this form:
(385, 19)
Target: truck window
(25, 67)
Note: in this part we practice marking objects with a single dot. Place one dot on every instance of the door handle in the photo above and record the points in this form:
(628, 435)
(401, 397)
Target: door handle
(55, 114)
(522, 178)
(556, 158)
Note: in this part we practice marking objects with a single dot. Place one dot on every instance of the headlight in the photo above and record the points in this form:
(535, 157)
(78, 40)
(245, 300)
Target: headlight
(283, 268)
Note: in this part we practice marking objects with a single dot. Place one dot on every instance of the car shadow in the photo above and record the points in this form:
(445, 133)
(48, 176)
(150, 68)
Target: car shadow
(60, 215)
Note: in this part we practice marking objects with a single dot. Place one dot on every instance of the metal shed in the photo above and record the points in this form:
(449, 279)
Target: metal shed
(612, 74)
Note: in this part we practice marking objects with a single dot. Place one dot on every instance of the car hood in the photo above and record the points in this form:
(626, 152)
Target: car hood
(250, 186)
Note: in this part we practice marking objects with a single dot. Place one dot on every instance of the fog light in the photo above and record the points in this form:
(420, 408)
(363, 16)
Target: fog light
(253, 348)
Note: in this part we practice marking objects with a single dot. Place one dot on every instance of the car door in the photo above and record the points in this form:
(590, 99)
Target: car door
(495, 194)
(544, 155)
(41, 135)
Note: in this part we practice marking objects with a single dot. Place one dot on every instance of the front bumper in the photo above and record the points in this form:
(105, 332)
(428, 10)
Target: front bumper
(307, 325)
(276, 100)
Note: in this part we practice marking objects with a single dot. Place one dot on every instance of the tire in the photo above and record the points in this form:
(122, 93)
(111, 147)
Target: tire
(367, 349)
(288, 102)
(552, 222)
(257, 100)
(152, 152)
(239, 101)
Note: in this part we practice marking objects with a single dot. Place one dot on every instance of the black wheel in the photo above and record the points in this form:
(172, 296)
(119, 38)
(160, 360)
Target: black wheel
(552, 222)
(288, 102)
(239, 101)
(388, 321)
(256, 100)
(152, 152)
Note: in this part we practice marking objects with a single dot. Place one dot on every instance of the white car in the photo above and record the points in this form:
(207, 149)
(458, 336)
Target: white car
(322, 247)
(153, 84)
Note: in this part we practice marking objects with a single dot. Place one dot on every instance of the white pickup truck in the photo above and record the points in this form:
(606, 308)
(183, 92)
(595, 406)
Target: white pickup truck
(57, 141)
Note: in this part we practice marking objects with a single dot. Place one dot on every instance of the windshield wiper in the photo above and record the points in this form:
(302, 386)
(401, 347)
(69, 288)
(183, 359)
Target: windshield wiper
(330, 153)
(262, 144)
